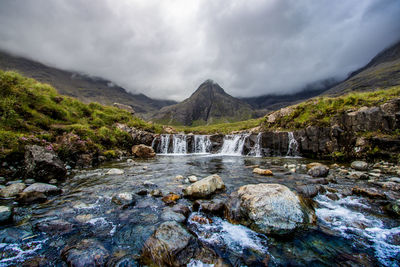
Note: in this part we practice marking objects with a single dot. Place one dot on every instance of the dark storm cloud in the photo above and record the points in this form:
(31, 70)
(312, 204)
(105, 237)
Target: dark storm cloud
(165, 49)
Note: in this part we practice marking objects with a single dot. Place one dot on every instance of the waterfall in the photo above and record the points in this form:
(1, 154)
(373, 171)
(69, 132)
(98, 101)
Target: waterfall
(293, 145)
(257, 146)
(179, 144)
(202, 144)
(233, 144)
(164, 143)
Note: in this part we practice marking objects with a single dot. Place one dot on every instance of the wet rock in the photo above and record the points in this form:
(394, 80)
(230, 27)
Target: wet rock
(21, 215)
(15, 234)
(390, 186)
(322, 181)
(201, 219)
(170, 199)
(263, 172)
(394, 208)
(313, 164)
(142, 192)
(394, 179)
(170, 245)
(319, 171)
(170, 215)
(115, 172)
(29, 181)
(149, 184)
(214, 206)
(125, 199)
(359, 165)
(59, 226)
(53, 181)
(31, 197)
(205, 187)
(309, 191)
(43, 188)
(83, 218)
(182, 209)
(12, 190)
(130, 161)
(358, 175)
(87, 252)
(192, 179)
(368, 192)
(268, 208)
(332, 196)
(156, 193)
(2, 180)
(143, 151)
(5, 214)
(43, 164)
(179, 177)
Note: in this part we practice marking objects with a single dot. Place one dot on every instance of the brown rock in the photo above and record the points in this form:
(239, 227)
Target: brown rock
(368, 192)
(143, 151)
(263, 172)
(170, 199)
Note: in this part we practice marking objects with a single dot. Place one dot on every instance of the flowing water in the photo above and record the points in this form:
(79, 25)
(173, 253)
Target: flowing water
(348, 230)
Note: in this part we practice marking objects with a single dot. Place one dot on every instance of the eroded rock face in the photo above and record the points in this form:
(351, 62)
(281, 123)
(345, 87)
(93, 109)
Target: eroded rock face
(268, 208)
(87, 252)
(205, 187)
(143, 151)
(170, 245)
(42, 164)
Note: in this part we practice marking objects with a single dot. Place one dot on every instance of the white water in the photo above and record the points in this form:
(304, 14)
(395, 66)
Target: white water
(164, 143)
(343, 217)
(256, 150)
(293, 147)
(233, 145)
(234, 237)
(202, 144)
(179, 144)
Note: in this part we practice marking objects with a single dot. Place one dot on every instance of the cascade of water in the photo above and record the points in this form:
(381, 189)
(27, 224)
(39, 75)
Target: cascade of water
(257, 146)
(233, 144)
(179, 144)
(202, 144)
(164, 143)
(293, 145)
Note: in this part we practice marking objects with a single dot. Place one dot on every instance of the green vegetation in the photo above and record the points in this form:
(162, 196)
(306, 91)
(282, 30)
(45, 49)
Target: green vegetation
(319, 111)
(223, 128)
(32, 112)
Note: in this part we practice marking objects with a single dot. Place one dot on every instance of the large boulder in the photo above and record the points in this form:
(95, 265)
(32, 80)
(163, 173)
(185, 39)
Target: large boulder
(37, 192)
(359, 165)
(143, 151)
(5, 214)
(170, 245)
(43, 164)
(87, 252)
(205, 187)
(268, 208)
(12, 190)
(319, 171)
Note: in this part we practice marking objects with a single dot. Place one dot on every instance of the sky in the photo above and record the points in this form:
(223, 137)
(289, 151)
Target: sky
(166, 49)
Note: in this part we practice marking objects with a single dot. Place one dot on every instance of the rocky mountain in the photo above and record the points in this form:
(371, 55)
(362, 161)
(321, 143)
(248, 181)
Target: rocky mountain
(85, 88)
(208, 104)
(381, 72)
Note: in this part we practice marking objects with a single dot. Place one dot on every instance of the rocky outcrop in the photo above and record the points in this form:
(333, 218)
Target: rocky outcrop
(138, 136)
(43, 164)
(143, 151)
(124, 107)
(205, 187)
(170, 245)
(268, 208)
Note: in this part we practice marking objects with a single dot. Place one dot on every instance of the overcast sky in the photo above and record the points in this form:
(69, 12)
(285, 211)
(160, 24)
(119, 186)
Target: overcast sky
(165, 49)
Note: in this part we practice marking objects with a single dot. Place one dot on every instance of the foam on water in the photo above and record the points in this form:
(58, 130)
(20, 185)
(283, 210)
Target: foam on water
(197, 263)
(339, 216)
(235, 237)
(233, 145)
(21, 251)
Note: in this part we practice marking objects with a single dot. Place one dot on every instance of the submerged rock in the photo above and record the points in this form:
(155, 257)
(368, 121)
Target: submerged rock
(59, 226)
(12, 190)
(43, 164)
(318, 171)
(170, 215)
(115, 172)
(170, 245)
(87, 252)
(263, 172)
(125, 199)
(268, 208)
(143, 151)
(359, 165)
(205, 187)
(5, 214)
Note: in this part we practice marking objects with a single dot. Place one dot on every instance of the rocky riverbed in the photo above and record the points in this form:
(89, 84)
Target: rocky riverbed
(205, 209)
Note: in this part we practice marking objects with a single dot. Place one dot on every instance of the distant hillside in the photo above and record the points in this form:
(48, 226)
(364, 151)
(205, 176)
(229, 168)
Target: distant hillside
(383, 71)
(208, 104)
(83, 87)
(273, 102)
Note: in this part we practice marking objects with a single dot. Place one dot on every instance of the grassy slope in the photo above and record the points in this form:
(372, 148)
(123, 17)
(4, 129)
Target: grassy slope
(319, 111)
(31, 112)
